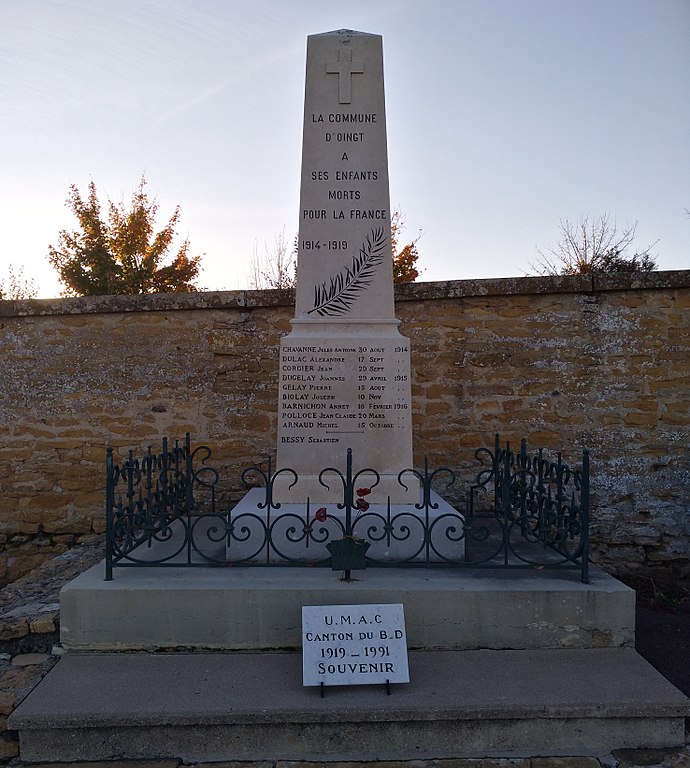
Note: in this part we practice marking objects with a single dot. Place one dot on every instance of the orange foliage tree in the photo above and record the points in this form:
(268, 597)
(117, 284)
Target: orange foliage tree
(405, 259)
(122, 254)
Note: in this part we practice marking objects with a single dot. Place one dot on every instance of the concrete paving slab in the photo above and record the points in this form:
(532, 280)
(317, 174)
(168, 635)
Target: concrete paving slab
(253, 706)
(260, 608)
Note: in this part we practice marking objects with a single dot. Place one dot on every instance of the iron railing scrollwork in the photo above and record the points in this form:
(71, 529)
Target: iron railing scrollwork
(546, 502)
(520, 511)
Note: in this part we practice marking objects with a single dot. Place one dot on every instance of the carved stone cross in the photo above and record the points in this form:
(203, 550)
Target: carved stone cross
(345, 68)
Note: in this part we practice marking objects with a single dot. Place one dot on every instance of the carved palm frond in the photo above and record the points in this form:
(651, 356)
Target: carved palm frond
(337, 295)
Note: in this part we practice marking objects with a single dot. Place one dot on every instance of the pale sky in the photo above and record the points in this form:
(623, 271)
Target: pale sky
(504, 116)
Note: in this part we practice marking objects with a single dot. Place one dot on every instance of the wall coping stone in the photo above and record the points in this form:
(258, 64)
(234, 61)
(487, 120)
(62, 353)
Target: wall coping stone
(448, 289)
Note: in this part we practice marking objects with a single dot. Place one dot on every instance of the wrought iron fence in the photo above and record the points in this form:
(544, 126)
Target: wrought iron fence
(521, 511)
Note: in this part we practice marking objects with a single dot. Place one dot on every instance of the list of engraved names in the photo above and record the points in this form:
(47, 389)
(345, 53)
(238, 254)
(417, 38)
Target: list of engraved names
(332, 394)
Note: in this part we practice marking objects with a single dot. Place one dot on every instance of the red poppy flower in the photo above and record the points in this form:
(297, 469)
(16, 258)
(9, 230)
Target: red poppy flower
(362, 505)
(363, 491)
(321, 514)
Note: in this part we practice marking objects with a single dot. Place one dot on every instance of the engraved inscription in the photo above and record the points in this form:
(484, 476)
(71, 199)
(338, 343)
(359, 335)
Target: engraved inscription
(321, 401)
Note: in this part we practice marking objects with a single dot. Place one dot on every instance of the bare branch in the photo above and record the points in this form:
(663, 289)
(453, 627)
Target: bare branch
(276, 267)
(594, 245)
(18, 286)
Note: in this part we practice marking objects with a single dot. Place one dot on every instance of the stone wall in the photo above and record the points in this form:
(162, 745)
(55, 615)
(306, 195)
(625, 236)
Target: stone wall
(568, 362)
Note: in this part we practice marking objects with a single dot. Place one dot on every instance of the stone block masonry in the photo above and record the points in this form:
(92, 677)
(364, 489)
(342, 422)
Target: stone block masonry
(567, 361)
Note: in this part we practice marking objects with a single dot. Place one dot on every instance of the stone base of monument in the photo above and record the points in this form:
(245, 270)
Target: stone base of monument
(502, 663)
(574, 686)
(231, 608)
(310, 486)
(395, 532)
(248, 706)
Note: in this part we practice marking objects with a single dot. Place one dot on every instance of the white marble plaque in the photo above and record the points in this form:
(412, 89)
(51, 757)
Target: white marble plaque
(354, 644)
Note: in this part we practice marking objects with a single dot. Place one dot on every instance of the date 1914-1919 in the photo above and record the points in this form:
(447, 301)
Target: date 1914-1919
(329, 245)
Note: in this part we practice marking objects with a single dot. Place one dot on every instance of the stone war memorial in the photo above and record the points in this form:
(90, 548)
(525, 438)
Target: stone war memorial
(354, 602)
(344, 368)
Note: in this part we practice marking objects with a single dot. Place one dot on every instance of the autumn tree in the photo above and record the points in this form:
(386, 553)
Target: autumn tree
(121, 253)
(16, 286)
(594, 245)
(404, 260)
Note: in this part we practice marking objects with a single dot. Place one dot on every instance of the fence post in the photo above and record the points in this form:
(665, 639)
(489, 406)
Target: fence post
(505, 502)
(109, 503)
(584, 516)
(498, 494)
(349, 494)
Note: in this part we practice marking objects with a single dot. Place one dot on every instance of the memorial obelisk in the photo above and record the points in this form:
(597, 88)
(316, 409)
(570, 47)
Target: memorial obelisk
(344, 367)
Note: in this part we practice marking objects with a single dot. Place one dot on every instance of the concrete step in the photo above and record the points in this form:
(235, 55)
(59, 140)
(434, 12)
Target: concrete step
(260, 608)
(252, 706)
